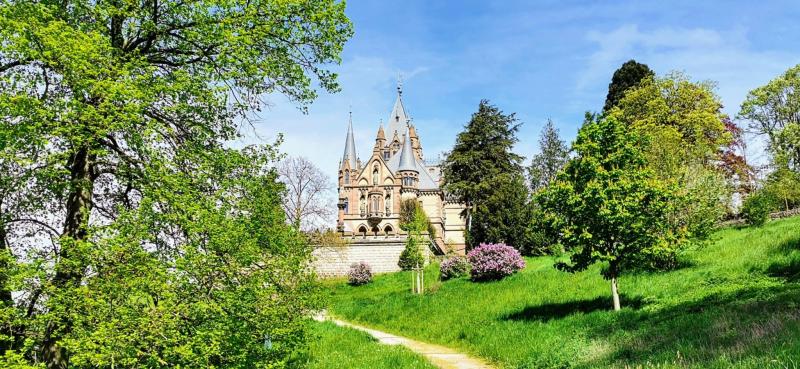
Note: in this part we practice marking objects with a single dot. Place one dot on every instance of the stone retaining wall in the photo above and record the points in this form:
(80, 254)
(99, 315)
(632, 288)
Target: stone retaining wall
(380, 253)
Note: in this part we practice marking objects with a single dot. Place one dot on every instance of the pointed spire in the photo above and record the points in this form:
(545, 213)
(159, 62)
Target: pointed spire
(407, 161)
(398, 117)
(381, 135)
(350, 146)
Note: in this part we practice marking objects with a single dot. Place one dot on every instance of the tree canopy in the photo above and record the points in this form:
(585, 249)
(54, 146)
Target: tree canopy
(482, 153)
(553, 155)
(774, 111)
(611, 207)
(172, 249)
(626, 77)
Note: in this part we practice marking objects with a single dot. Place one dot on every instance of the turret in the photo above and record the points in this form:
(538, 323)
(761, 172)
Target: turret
(380, 141)
(349, 164)
(407, 167)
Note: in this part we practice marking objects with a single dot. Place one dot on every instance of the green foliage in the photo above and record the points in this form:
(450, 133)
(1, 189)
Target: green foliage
(481, 155)
(700, 201)
(542, 231)
(336, 347)
(613, 208)
(784, 185)
(743, 281)
(140, 240)
(774, 110)
(412, 257)
(757, 207)
(626, 77)
(686, 132)
(553, 155)
(502, 217)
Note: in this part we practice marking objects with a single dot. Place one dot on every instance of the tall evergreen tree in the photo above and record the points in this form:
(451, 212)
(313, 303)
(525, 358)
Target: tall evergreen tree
(629, 75)
(482, 154)
(553, 155)
(504, 214)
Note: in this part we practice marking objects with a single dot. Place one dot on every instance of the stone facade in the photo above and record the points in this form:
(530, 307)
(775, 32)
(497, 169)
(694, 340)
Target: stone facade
(371, 191)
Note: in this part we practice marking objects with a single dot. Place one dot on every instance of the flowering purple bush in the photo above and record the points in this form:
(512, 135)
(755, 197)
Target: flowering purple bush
(360, 273)
(453, 267)
(494, 261)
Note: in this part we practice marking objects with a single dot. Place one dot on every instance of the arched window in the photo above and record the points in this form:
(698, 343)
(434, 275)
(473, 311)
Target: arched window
(362, 206)
(388, 230)
(346, 177)
(375, 175)
(375, 207)
(362, 231)
(387, 204)
(346, 205)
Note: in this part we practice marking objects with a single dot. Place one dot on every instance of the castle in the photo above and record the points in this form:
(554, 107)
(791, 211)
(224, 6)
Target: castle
(371, 191)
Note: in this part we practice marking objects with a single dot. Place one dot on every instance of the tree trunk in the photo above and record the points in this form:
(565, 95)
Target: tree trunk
(614, 292)
(70, 268)
(786, 203)
(5, 293)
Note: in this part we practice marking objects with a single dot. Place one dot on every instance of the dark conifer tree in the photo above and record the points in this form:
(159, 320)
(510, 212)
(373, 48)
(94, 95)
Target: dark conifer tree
(481, 157)
(627, 76)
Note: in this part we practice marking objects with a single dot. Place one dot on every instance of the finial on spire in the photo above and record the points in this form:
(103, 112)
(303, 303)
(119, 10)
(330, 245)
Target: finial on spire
(399, 83)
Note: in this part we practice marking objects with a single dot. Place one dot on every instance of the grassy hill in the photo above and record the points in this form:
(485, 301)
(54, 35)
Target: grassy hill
(735, 304)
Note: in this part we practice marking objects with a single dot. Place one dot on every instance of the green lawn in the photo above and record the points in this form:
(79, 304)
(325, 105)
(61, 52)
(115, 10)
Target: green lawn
(736, 304)
(335, 347)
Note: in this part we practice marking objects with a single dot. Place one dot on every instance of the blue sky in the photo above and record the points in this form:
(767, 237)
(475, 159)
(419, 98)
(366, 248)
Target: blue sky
(540, 60)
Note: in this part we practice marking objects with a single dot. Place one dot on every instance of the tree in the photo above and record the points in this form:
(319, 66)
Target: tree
(784, 184)
(503, 216)
(553, 155)
(687, 136)
(414, 221)
(173, 249)
(482, 152)
(628, 76)
(307, 201)
(774, 110)
(612, 207)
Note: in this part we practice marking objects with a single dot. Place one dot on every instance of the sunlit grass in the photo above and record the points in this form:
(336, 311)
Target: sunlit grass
(735, 304)
(335, 347)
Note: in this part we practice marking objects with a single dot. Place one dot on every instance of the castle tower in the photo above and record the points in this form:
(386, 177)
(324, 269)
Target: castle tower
(407, 169)
(348, 170)
(398, 118)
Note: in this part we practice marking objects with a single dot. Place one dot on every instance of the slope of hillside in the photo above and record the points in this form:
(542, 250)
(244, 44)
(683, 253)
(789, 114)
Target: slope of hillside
(736, 303)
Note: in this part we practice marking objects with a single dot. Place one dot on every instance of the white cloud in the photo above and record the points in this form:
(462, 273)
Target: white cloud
(724, 56)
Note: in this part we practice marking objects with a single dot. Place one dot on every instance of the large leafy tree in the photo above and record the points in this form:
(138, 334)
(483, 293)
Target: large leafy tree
(482, 153)
(553, 155)
(611, 206)
(774, 111)
(136, 238)
(688, 137)
(626, 77)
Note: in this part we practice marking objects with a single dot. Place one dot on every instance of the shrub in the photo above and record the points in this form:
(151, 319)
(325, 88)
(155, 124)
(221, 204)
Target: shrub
(756, 208)
(494, 261)
(360, 273)
(411, 255)
(453, 267)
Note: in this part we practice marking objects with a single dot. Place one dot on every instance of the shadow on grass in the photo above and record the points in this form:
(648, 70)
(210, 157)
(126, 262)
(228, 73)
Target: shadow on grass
(560, 310)
(735, 324)
(789, 267)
